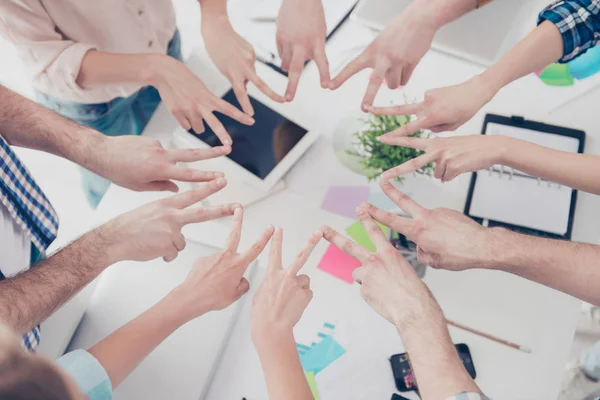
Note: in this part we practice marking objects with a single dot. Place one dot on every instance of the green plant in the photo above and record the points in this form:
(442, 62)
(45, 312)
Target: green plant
(377, 157)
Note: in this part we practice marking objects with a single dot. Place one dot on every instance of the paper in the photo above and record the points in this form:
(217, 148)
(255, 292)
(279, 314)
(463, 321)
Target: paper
(343, 200)
(310, 378)
(358, 233)
(321, 355)
(337, 263)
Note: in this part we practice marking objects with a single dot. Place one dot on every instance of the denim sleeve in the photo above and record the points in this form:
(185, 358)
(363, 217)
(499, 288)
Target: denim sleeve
(88, 373)
(469, 396)
(578, 22)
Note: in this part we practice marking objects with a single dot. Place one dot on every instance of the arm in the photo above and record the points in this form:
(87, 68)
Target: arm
(393, 289)
(395, 53)
(137, 163)
(149, 232)
(277, 307)
(214, 283)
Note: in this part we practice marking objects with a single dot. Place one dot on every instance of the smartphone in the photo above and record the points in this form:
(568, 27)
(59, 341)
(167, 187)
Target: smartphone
(405, 377)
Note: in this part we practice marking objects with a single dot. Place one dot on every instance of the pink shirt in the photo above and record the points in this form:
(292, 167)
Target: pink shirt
(53, 36)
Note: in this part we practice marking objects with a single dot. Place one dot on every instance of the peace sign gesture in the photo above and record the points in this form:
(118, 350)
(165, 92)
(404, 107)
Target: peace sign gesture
(283, 295)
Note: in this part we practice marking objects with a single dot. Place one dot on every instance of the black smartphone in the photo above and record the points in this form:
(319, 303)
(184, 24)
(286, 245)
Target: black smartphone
(405, 377)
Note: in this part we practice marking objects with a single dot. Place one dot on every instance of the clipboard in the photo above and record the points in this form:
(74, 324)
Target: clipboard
(504, 197)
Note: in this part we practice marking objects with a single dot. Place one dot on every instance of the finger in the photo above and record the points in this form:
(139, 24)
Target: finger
(303, 281)
(232, 112)
(411, 127)
(374, 83)
(197, 122)
(243, 287)
(405, 203)
(296, 67)
(305, 253)
(404, 109)
(182, 120)
(193, 196)
(407, 141)
(218, 128)
(161, 186)
(179, 242)
(355, 66)
(186, 174)
(323, 65)
(275, 257)
(263, 87)
(407, 73)
(241, 94)
(410, 166)
(391, 220)
(202, 214)
(440, 169)
(257, 248)
(193, 155)
(392, 78)
(286, 57)
(373, 230)
(358, 274)
(171, 254)
(345, 245)
(236, 231)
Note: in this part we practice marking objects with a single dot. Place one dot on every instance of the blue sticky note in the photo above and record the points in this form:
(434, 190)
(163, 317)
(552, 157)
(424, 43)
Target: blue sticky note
(381, 201)
(321, 355)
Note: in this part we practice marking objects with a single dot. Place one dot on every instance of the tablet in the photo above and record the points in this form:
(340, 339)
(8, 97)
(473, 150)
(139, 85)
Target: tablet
(262, 153)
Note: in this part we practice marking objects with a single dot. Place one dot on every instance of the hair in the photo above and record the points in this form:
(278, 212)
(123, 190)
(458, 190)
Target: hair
(25, 376)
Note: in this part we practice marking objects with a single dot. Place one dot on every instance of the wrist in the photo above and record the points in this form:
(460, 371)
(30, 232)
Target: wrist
(154, 68)
(503, 149)
(496, 255)
(184, 307)
(271, 336)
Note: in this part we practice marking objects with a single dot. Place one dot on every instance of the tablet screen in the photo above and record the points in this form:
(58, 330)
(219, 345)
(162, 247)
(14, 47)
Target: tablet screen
(260, 147)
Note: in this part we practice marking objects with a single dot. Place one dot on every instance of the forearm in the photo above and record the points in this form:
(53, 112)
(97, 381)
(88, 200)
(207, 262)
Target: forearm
(27, 124)
(579, 171)
(433, 357)
(569, 267)
(540, 48)
(281, 365)
(29, 298)
(123, 350)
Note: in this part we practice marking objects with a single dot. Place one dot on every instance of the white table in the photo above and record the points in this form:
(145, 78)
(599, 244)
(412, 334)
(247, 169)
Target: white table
(495, 302)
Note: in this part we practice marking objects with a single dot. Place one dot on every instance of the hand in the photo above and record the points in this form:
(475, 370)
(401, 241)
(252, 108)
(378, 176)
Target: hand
(283, 294)
(445, 238)
(388, 283)
(235, 58)
(190, 102)
(393, 55)
(452, 156)
(142, 164)
(443, 109)
(301, 34)
(217, 281)
(154, 230)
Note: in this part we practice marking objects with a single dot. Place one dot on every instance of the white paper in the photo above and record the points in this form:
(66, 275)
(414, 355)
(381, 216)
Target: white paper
(524, 200)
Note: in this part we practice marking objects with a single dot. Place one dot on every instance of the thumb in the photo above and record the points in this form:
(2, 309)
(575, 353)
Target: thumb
(243, 287)
(161, 186)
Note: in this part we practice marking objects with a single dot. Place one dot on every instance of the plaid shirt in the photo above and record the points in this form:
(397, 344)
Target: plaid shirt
(578, 22)
(29, 208)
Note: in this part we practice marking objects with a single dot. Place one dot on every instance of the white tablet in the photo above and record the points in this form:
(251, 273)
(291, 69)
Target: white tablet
(261, 154)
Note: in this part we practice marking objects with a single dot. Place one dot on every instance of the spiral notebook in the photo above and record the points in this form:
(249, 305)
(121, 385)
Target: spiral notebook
(502, 196)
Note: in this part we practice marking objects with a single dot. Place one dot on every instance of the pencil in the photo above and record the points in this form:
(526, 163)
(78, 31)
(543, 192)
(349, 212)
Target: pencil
(488, 336)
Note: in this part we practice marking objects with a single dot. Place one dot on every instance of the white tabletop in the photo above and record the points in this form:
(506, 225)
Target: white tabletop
(498, 303)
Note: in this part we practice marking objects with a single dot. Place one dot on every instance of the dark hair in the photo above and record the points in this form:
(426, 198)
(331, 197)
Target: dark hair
(27, 377)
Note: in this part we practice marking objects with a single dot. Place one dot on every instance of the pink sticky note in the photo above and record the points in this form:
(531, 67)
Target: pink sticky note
(337, 263)
(343, 200)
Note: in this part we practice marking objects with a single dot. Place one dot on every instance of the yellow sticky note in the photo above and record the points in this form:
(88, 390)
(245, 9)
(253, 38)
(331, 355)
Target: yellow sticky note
(358, 233)
(312, 383)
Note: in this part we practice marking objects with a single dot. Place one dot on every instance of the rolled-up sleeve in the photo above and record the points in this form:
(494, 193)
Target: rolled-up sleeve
(578, 22)
(53, 60)
(88, 374)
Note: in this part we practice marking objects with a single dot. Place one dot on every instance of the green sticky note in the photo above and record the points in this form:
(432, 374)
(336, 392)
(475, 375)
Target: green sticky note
(557, 75)
(358, 233)
(312, 383)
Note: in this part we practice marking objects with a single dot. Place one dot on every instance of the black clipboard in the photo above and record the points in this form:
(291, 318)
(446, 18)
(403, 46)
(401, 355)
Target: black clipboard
(521, 122)
(337, 27)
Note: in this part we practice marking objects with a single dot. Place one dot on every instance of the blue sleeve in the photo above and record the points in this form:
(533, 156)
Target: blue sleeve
(578, 22)
(468, 396)
(88, 373)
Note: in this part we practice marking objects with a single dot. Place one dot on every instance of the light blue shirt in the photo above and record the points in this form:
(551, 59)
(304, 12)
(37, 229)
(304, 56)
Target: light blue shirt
(88, 373)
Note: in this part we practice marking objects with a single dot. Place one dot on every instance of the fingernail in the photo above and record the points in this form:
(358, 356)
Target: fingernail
(227, 142)
(221, 182)
(219, 174)
(270, 228)
(237, 212)
(318, 233)
(360, 211)
(368, 107)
